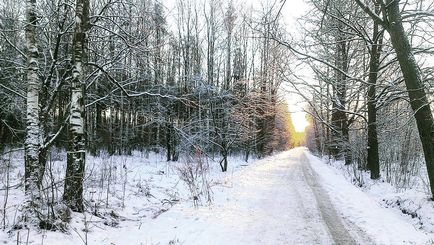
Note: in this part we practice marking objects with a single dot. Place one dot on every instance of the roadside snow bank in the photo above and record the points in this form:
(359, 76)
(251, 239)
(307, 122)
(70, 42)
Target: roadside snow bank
(385, 226)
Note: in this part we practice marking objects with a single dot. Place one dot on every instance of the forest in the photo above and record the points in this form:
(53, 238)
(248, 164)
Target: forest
(116, 76)
(191, 82)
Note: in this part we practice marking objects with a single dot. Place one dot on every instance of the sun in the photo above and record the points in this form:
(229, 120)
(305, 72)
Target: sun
(299, 120)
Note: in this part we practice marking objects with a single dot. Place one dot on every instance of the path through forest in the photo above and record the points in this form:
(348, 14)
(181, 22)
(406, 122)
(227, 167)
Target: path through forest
(289, 198)
(280, 200)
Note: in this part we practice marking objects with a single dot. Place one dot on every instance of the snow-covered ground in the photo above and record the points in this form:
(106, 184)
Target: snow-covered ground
(124, 195)
(365, 210)
(289, 198)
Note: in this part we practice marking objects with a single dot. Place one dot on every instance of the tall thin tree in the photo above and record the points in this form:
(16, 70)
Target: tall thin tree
(391, 20)
(32, 142)
(76, 156)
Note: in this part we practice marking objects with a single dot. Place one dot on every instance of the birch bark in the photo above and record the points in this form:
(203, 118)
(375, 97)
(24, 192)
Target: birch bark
(32, 141)
(76, 156)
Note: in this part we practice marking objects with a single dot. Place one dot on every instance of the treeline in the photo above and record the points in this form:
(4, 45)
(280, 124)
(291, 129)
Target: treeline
(370, 98)
(148, 84)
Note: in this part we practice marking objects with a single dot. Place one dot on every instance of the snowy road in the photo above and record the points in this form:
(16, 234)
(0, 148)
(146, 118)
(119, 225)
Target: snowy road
(278, 201)
(291, 198)
(274, 201)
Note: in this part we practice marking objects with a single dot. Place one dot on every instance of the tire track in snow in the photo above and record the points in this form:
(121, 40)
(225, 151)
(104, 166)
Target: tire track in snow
(335, 224)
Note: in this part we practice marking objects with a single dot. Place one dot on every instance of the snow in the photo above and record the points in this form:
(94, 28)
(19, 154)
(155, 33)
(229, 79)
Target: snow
(276, 200)
(254, 206)
(383, 225)
(122, 210)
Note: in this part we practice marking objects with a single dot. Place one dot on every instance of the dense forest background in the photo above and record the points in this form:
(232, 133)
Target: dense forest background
(195, 75)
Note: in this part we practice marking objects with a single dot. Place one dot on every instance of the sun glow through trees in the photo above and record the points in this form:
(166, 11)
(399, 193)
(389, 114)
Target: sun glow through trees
(299, 120)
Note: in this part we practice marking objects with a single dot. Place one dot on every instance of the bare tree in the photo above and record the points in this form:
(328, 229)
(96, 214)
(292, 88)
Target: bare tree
(391, 20)
(73, 191)
(32, 144)
(374, 65)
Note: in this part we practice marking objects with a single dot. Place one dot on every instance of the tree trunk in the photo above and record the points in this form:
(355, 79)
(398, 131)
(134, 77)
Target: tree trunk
(228, 61)
(374, 63)
(73, 194)
(224, 161)
(33, 137)
(339, 119)
(169, 140)
(210, 43)
(415, 87)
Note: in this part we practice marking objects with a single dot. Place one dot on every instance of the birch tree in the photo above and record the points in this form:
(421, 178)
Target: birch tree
(32, 142)
(76, 156)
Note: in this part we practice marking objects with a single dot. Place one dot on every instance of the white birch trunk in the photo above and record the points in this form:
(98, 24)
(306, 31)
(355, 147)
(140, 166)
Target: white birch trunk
(32, 141)
(73, 190)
